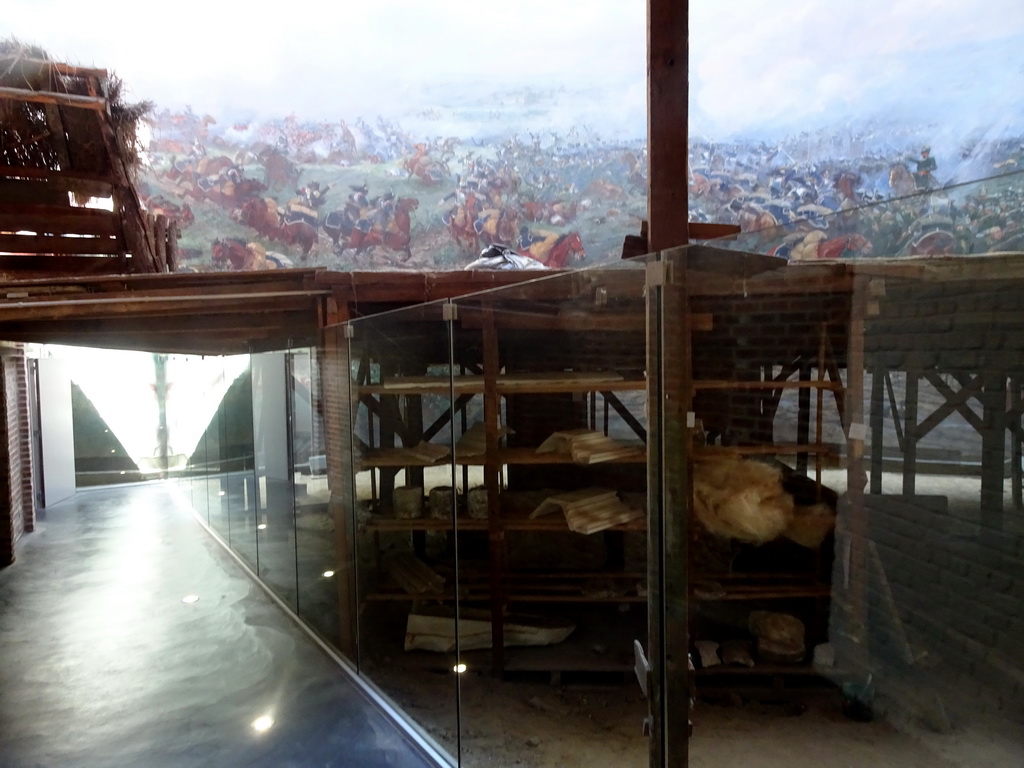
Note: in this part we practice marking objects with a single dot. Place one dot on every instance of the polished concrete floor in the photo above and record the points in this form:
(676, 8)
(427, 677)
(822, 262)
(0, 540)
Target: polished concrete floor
(102, 664)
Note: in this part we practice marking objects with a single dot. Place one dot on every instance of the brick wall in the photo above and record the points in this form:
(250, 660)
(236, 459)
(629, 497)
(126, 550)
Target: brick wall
(937, 575)
(17, 514)
(953, 594)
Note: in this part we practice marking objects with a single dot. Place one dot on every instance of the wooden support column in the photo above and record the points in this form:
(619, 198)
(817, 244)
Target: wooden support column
(492, 482)
(670, 401)
(910, 431)
(1016, 427)
(667, 115)
(803, 416)
(877, 426)
(855, 526)
(993, 451)
(337, 388)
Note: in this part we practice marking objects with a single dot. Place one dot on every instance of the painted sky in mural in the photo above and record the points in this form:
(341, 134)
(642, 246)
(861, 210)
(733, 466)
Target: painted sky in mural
(409, 134)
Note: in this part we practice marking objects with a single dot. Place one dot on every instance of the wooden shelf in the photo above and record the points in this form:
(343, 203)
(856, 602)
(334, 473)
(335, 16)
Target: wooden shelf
(802, 668)
(399, 457)
(740, 384)
(508, 384)
(770, 592)
(524, 587)
(510, 521)
(790, 449)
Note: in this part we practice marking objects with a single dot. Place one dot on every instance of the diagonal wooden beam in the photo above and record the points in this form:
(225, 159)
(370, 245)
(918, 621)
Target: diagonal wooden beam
(955, 401)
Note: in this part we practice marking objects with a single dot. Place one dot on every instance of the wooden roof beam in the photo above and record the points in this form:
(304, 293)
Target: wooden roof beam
(52, 97)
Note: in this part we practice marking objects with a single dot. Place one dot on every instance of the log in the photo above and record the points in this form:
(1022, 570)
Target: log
(172, 246)
(160, 241)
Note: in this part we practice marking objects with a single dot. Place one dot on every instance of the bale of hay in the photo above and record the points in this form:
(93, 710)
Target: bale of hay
(741, 499)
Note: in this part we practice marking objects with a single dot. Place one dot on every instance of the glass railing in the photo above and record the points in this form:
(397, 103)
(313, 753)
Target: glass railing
(967, 219)
(402, 520)
(556, 396)
(514, 510)
(846, 439)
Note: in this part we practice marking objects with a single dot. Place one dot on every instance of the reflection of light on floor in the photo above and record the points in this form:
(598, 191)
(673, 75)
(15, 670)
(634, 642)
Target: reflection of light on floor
(190, 599)
(262, 723)
(328, 574)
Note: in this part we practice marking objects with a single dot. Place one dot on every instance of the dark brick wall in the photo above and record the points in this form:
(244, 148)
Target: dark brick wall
(16, 508)
(951, 591)
(951, 550)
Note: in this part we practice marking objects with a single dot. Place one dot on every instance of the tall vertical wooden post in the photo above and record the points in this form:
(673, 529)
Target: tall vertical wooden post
(667, 114)
(338, 399)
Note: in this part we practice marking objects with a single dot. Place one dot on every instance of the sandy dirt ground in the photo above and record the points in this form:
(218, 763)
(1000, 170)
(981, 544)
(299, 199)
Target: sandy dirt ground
(531, 722)
(534, 725)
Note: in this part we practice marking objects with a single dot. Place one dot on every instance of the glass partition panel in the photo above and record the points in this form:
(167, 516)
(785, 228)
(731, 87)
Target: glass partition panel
(403, 495)
(275, 516)
(926, 621)
(217, 502)
(551, 442)
(314, 525)
(239, 482)
(973, 218)
(842, 456)
(199, 463)
(749, 356)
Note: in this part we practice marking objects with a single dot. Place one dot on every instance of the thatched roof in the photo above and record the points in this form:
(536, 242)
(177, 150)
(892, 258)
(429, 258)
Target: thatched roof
(25, 136)
(67, 129)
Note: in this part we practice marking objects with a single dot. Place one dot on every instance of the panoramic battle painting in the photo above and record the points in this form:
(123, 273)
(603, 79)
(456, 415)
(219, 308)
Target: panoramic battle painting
(422, 136)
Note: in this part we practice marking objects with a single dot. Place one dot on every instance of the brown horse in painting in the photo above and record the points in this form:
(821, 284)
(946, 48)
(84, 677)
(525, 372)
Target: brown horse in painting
(844, 245)
(459, 221)
(262, 215)
(497, 226)
(901, 181)
(395, 236)
(279, 171)
(555, 251)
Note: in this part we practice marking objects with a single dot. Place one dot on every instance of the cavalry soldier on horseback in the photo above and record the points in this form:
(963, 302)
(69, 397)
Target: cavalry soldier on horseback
(312, 195)
(923, 178)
